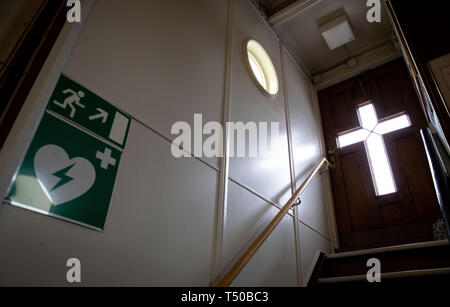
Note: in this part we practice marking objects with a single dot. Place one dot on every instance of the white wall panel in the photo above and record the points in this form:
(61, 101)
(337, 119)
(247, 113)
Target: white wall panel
(306, 146)
(160, 60)
(268, 176)
(311, 244)
(274, 264)
(313, 209)
(159, 232)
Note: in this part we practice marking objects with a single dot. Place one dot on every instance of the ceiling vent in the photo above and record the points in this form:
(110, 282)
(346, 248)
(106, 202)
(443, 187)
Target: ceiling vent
(337, 32)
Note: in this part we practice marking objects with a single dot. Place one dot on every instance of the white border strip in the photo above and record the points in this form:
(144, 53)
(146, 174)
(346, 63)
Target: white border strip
(16, 204)
(221, 208)
(394, 248)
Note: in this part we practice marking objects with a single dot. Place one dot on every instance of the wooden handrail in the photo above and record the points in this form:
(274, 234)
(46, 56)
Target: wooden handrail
(248, 254)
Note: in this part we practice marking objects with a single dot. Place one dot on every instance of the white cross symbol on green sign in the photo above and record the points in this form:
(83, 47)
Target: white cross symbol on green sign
(105, 158)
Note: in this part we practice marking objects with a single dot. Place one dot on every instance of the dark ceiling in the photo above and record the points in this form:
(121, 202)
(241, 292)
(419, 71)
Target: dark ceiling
(270, 7)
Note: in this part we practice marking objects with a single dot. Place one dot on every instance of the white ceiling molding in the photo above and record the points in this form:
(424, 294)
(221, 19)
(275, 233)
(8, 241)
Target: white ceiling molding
(290, 11)
(366, 61)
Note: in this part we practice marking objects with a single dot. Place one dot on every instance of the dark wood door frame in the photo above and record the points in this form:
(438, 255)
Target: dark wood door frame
(364, 219)
(26, 63)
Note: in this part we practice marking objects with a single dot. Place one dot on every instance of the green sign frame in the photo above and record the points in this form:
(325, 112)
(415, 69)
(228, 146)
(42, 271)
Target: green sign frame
(71, 165)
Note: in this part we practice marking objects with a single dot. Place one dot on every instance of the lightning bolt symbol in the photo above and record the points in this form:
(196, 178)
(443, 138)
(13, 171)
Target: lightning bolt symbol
(62, 175)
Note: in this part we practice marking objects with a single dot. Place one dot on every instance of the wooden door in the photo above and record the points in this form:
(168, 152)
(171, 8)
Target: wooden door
(372, 209)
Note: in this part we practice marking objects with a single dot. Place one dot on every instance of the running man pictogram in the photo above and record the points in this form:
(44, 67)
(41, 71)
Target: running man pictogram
(71, 100)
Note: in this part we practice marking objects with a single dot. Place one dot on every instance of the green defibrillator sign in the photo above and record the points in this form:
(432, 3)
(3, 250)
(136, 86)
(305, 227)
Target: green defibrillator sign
(71, 165)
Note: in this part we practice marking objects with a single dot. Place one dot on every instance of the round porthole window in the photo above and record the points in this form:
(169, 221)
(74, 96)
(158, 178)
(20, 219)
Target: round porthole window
(261, 67)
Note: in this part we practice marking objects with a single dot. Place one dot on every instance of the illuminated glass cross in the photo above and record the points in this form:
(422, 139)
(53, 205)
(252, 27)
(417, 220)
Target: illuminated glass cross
(371, 133)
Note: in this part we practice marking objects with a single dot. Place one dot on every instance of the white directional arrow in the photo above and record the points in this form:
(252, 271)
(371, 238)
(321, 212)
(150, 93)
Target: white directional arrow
(102, 114)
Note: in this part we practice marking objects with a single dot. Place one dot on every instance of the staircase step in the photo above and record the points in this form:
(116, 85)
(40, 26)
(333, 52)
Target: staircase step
(402, 258)
(384, 276)
(387, 249)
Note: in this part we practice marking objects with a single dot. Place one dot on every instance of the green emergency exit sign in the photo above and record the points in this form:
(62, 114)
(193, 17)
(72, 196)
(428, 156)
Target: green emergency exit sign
(71, 165)
(79, 105)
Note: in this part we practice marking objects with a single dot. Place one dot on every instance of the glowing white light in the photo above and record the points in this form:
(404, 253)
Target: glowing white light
(371, 134)
(257, 70)
(353, 137)
(379, 165)
(392, 125)
(368, 117)
(262, 67)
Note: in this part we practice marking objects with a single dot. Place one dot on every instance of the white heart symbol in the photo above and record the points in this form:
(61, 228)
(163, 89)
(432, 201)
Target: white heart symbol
(62, 179)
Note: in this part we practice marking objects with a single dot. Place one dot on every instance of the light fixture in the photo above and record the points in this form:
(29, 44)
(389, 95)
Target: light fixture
(337, 32)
